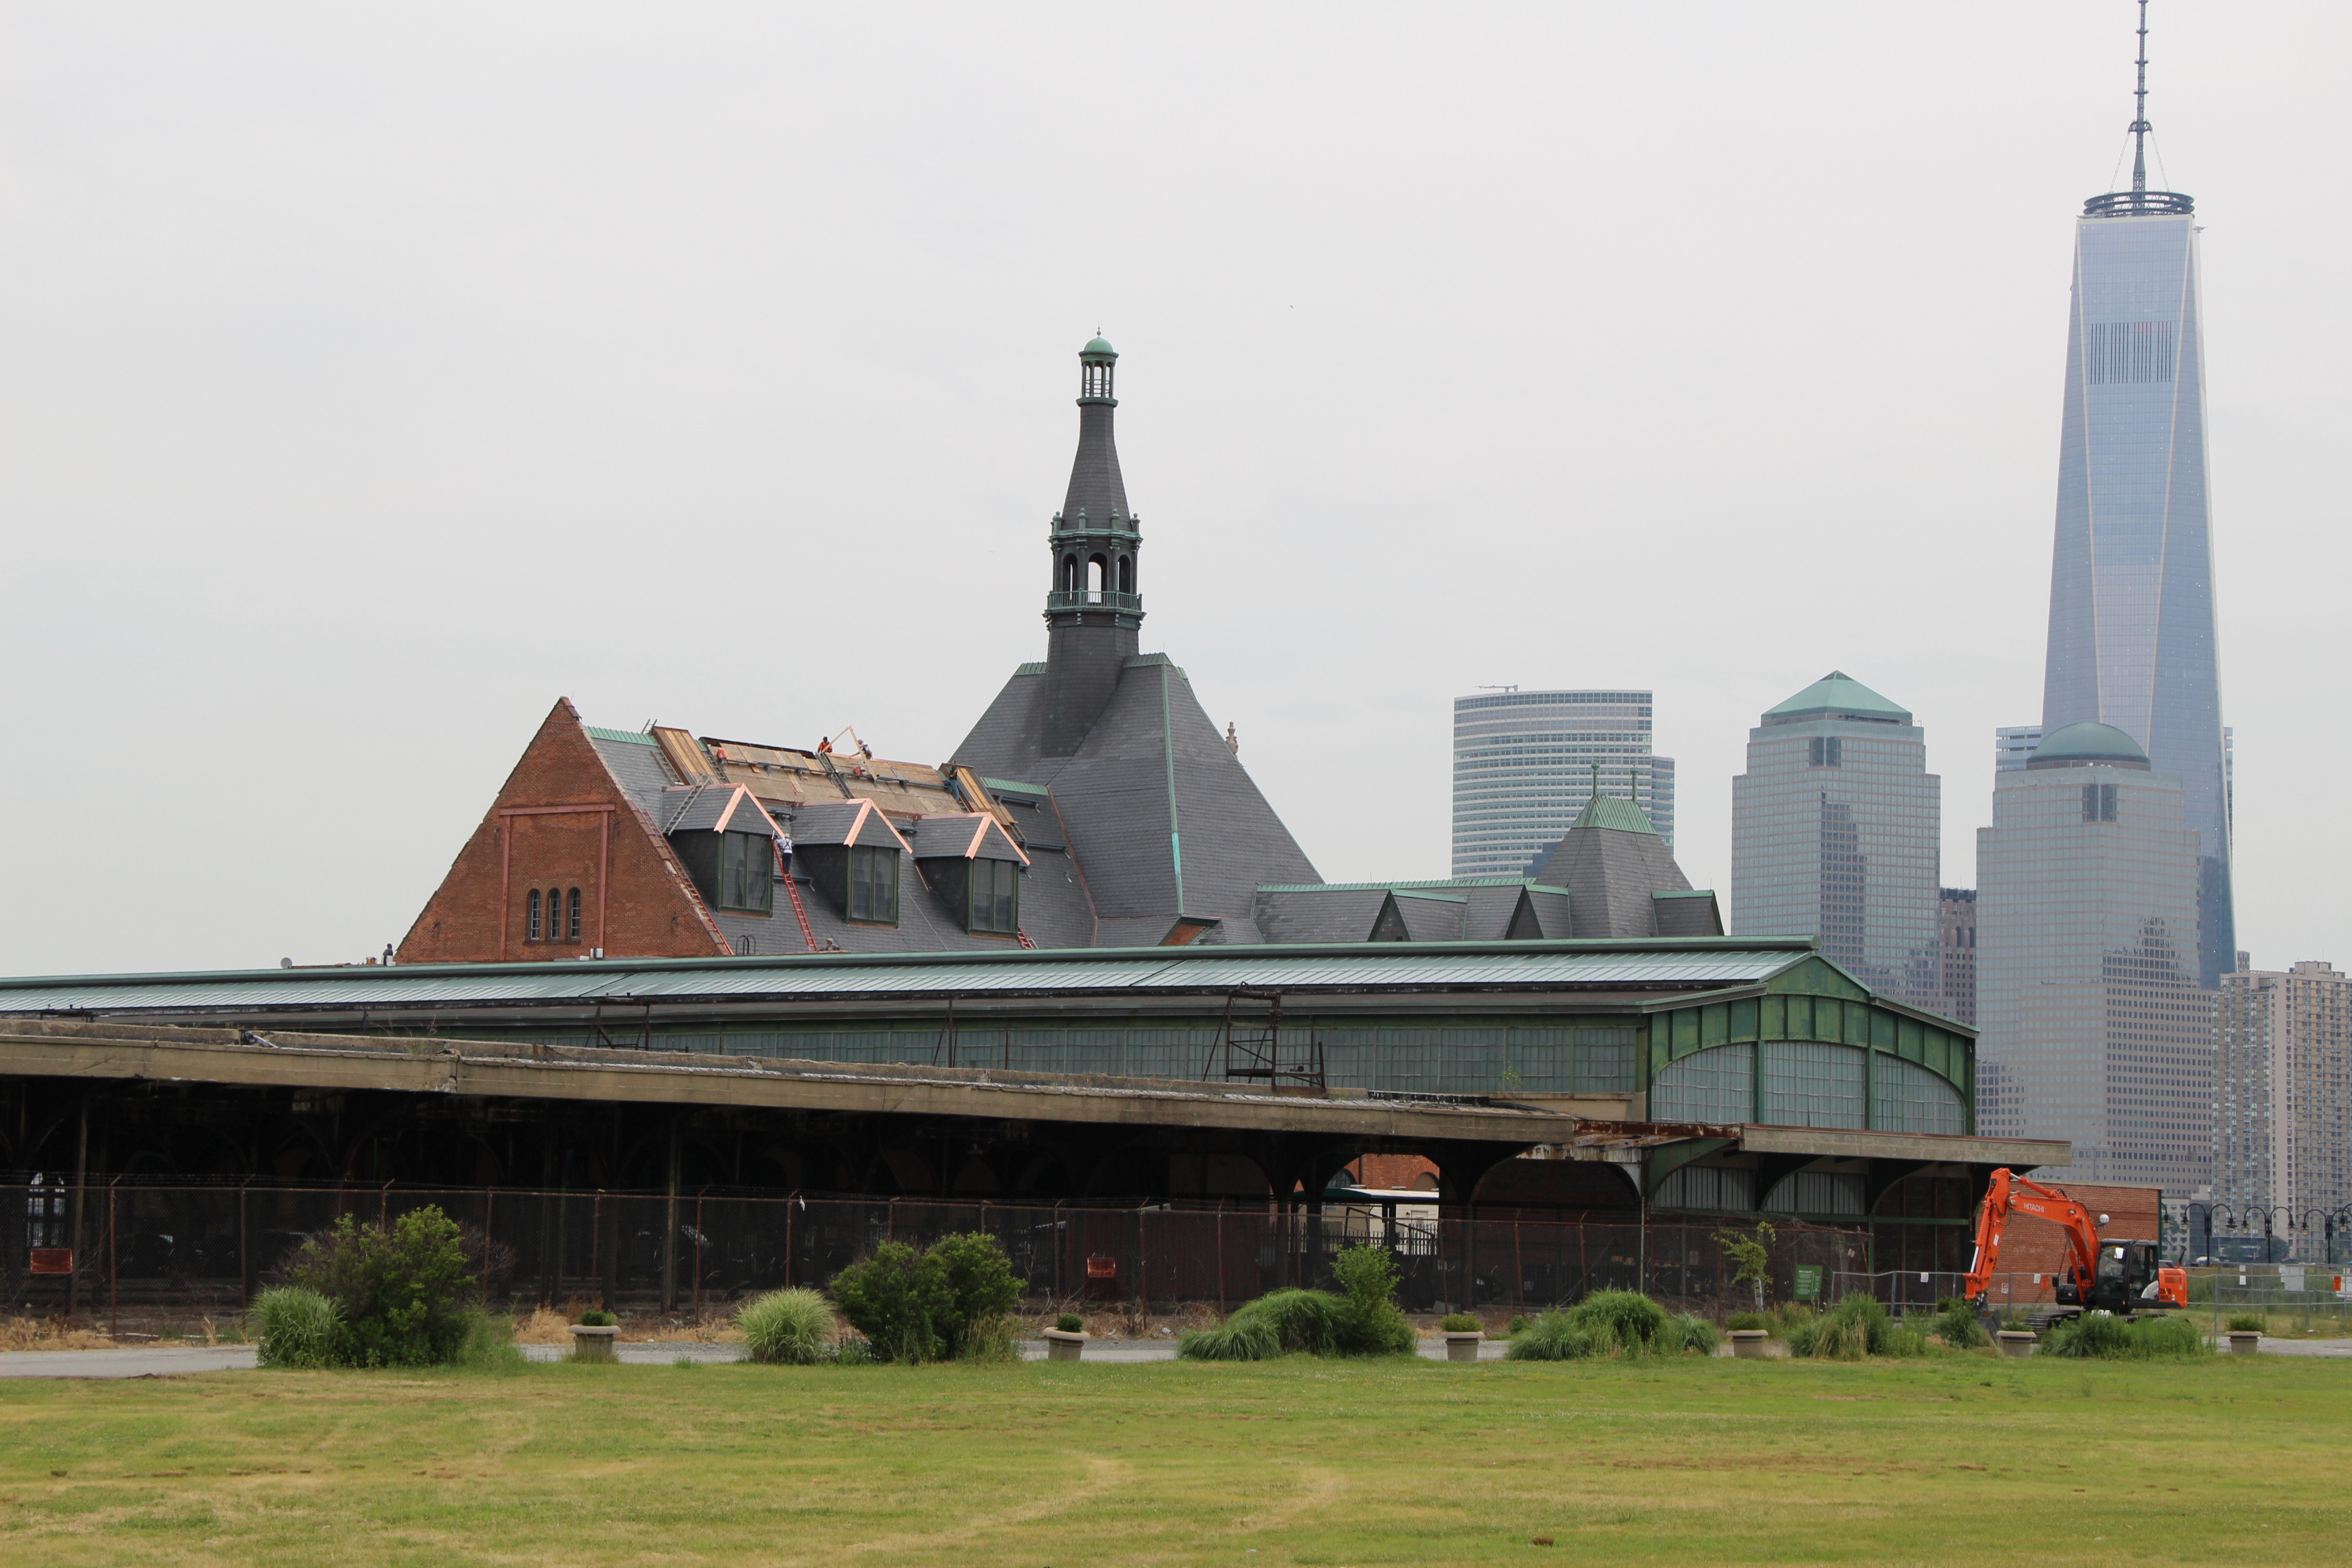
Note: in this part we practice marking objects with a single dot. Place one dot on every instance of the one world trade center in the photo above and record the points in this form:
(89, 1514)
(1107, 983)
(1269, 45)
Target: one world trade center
(2131, 582)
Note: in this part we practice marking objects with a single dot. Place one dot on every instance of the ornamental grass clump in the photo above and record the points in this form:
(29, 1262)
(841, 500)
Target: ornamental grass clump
(1689, 1332)
(2103, 1336)
(298, 1328)
(1460, 1323)
(1364, 1321)
(1855, 1328)
(2249, 1323)
(788, 1328)
(1556, 1336)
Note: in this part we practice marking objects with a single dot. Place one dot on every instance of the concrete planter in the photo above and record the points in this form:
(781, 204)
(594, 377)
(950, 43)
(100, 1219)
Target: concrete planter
(1463, 1344)
(2015, 1342)
(1061, 1344)
(2245, 1343)
(1748, 1344)
(593, 1343)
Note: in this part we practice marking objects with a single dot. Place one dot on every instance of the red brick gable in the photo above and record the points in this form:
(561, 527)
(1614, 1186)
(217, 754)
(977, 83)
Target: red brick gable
(562, 822)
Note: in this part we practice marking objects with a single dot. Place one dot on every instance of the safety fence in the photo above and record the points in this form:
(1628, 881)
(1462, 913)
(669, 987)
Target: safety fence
(1907, 1290)
(2292, 1295)
(103, 1247)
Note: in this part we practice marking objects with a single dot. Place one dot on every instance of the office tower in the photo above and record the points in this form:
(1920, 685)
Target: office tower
(2283, 1110)
(2012, 746)
(2131, 582)
(1524, 766)
(2093, 1027)
(1955, 954)
(1834, 834)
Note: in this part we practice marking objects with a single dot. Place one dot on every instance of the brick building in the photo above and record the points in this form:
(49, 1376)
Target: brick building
(1093, 804)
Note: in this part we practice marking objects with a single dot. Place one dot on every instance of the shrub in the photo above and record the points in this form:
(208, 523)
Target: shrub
(788, 1328)
(2103, 1336)
(1957, 1323)
(981, 1290)
(1461, 1323)
(1244, 1336)
(896, 1298)
(2249, 1323)
(1369, 1322)
(853, 1352)
(1688, 1332)
(1070, 1323)
(397, 1289)
(1556, 1336)
(597, 1318)
(1518, 1321)
(1745, 1321)
(298, 1328)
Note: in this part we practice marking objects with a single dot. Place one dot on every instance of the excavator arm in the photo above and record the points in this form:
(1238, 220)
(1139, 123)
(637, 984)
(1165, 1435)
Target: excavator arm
(2008, 1195)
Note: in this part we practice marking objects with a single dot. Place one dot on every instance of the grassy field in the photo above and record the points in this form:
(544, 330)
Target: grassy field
(1959, 1460)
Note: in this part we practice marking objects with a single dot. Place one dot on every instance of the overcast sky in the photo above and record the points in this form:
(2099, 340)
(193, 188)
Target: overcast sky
(375, 375)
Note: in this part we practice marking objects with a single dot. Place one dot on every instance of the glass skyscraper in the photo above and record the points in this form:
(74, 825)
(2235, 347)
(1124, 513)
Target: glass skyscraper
(2095, 1028)
(2131, 582)
(1836, 833)
(1523, 769)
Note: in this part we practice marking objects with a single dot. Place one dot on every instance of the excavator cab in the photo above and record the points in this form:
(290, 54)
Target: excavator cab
(2129, 1277)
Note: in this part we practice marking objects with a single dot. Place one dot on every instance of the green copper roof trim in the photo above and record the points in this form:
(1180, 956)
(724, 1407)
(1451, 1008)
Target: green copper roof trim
(1035, 667)
(1617, 815)
(627, 737)
(1837, 694)
(1431, 898)
(1013, 785)
(1685, 893)
(1100, 346)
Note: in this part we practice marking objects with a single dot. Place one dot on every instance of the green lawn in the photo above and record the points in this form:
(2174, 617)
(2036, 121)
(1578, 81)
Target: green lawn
(1959, 1460)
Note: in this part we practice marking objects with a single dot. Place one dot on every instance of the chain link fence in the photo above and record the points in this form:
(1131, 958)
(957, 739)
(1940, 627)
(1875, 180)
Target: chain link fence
(101, 1248)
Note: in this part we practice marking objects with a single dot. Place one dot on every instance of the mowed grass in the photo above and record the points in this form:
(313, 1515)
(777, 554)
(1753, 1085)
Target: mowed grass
(1959, 1460)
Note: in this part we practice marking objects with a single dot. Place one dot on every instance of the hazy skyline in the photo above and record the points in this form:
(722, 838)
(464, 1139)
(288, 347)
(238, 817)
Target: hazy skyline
(375, 376)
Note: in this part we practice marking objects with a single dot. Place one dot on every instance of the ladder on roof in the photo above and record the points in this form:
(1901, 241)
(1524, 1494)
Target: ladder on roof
(792, 892)
(1022, 937)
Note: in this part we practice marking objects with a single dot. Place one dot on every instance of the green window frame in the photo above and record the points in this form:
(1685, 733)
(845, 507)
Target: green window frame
(873, 885)
(747, 872)
(995, 897)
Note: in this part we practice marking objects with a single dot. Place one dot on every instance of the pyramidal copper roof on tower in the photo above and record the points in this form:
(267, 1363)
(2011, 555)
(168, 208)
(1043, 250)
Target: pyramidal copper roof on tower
(1838, 695)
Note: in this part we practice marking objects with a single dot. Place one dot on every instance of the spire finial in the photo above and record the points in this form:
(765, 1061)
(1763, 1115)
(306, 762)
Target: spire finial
(2139, 125)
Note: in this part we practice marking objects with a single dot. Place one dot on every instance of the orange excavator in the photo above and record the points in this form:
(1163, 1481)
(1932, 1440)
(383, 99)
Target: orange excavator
(2099, 1273)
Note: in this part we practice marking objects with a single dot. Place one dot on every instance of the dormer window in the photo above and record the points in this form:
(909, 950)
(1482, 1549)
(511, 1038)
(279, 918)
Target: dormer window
(747, 867)
(874, 885)
(995, 897)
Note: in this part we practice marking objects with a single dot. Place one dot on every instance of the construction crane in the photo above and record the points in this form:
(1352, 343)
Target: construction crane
(2100, 1273)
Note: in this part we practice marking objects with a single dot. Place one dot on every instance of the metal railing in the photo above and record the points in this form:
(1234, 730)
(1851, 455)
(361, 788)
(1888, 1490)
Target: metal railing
(1092, 598)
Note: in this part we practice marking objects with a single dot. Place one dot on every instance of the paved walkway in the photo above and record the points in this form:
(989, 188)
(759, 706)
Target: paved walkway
(146, 1361)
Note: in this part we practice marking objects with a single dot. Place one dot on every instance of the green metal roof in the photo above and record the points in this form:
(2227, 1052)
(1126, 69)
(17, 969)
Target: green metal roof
(1619, 815)
(1100, 346)
(1412, 966)
(633, 737)
(1012, 786)
(2088, 742)
(1838, 695)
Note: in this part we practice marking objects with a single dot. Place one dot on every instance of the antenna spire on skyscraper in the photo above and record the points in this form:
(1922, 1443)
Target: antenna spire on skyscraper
(2139, 200)
(2139, 125)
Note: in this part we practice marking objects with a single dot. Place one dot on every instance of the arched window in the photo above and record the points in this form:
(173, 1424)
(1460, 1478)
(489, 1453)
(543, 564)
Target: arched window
(1126, 573)
(1069, 573)
(1097, 570)
(532, 930)
(571, 924)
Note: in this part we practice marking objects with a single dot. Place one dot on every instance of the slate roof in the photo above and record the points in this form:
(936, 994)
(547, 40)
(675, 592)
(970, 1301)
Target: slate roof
(1614, 877)
(1159, 812)
(713, 808)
